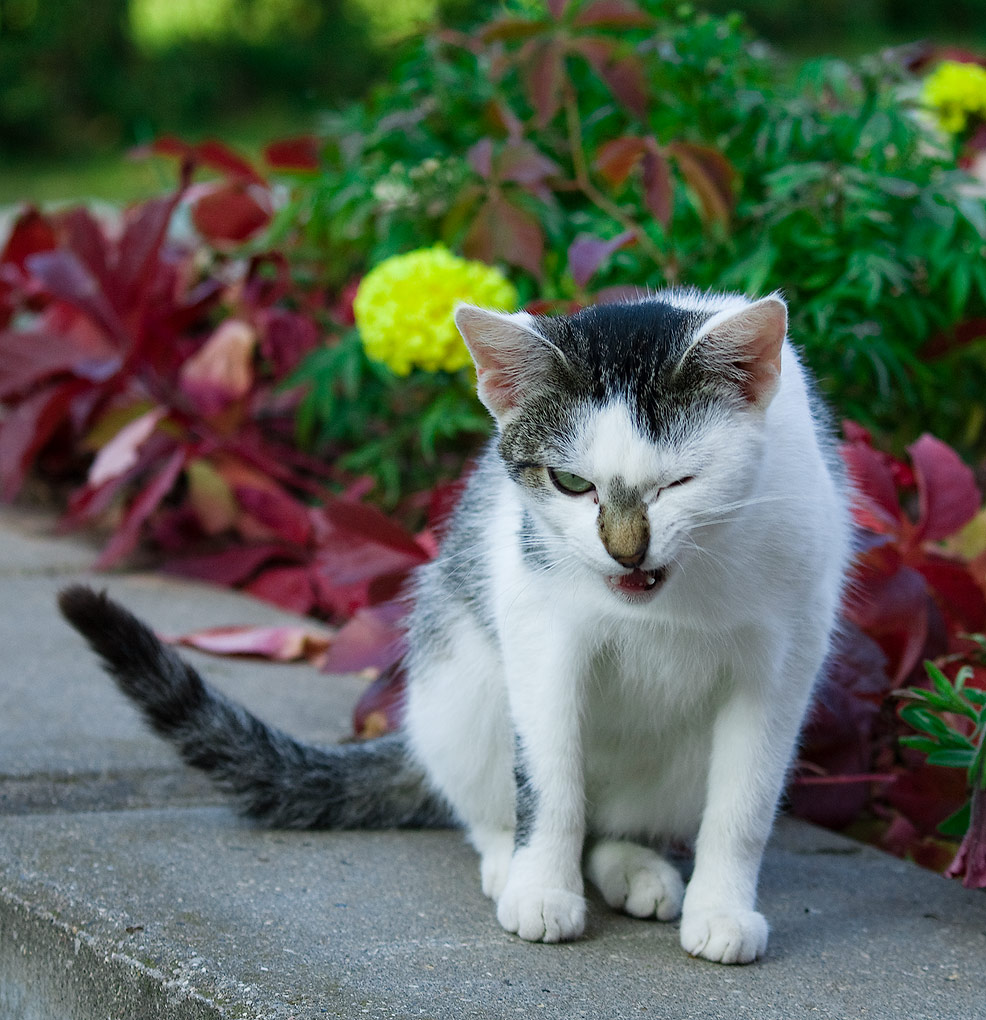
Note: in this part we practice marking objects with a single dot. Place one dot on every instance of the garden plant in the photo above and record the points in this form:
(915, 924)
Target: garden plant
(256, 379)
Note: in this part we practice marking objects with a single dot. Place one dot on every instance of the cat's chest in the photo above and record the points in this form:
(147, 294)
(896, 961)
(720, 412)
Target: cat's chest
(653, 679)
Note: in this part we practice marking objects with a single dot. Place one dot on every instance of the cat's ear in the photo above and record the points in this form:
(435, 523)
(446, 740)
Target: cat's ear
(511, 355)
(744, 346)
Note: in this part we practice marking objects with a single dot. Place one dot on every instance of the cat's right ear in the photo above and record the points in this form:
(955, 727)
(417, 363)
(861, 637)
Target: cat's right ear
(511, 355)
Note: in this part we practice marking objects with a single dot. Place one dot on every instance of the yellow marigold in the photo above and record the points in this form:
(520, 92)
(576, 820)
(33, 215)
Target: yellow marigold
(956, 92)
(404, 307)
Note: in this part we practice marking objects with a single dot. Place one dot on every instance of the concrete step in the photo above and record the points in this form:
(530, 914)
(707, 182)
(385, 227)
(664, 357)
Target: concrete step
(128, 890)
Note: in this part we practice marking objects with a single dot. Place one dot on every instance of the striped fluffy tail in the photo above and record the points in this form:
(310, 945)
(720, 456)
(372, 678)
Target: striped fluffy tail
(276, 780)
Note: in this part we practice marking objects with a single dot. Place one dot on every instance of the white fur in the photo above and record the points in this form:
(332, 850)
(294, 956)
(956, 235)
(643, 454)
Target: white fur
(673, 719)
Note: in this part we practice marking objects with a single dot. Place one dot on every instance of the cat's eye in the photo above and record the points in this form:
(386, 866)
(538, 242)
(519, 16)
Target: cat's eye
(680, 481)
(571, 485)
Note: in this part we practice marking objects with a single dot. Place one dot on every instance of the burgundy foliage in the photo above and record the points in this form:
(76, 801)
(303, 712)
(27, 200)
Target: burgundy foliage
(164, 358)
(911, 598)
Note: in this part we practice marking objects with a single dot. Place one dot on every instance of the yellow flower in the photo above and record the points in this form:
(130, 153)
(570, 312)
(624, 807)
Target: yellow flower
(404, 307)
(956, 92)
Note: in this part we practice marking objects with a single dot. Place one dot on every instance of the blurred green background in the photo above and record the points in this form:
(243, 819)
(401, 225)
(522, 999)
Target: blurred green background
(82, 82)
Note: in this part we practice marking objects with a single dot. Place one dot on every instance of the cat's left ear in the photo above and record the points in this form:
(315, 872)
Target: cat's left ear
(744, 346)
(511, 355)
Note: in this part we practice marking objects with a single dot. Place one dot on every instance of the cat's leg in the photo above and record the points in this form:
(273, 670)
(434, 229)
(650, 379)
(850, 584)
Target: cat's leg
(542, 900)
(753, 740)
(457, 723)
(635, 879)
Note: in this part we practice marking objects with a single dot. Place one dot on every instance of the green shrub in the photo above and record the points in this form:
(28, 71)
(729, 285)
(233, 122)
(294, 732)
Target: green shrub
(706, 161)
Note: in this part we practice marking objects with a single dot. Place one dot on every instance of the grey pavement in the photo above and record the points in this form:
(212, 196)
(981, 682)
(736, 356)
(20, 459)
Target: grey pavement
(129, 891)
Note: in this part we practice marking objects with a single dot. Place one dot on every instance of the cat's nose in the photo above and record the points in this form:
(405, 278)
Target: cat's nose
(625, 533)
(631, 560)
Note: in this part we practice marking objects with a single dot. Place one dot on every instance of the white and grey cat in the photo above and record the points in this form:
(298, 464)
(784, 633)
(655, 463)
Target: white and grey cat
(618, 642)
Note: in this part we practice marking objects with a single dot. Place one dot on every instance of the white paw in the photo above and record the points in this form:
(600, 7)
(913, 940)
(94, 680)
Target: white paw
(635, 879)
(726, 936)
(539, 914)
(494, 866)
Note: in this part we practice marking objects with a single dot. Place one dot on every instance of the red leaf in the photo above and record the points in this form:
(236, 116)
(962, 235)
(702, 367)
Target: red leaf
(66, 278)
(657, 184)
(503, 231)
(947, 489)
(612, 14)
(124, 541)
(525, 164)
(280, 644)
(137, 261)
(367, 523)
(120, 454)
(544, 76)
(617, 158)
(381, 706)
(836, 740)
(970, 861)
(557, 8)
(893, 608)
(480, 157)
(85, 237)
(587, 253)
(26, 429)
(171, 145)
(876, 506)
(293, 153)
(288, 587)
(221, 157)
(344, 562)
(623, 76)
(28, 357)
(31, 233)
(927, 795)
(231, 567)
(710, 175)
(510, 29)
(372, 639)
(286, 338)
(221, 370)
(231, 212)
(277, 511)
(958, 594)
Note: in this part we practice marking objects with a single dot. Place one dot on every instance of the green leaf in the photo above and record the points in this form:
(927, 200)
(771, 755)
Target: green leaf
(925, 721)
(957, 825)
(922, 744)
(974, 210)
(953, 758)
(975, 696)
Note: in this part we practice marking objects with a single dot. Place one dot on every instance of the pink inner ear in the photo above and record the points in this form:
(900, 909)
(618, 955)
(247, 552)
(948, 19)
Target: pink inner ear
(507, 351)
(747, 345)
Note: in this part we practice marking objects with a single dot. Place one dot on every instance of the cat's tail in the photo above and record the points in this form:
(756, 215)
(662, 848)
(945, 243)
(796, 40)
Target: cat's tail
(275, 779)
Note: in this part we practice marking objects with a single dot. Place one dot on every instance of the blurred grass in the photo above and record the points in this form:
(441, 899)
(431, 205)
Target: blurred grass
(115, 176)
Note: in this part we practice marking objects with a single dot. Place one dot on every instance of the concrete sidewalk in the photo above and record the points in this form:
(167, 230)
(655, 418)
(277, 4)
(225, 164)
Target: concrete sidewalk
(128, 891)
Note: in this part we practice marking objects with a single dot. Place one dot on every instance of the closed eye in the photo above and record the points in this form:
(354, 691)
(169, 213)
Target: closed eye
(680, 481)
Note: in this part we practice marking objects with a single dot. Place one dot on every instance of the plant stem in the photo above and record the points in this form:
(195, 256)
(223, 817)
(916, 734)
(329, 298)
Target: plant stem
(591, 192)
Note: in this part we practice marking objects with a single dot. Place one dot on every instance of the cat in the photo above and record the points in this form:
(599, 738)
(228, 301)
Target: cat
(618, 642)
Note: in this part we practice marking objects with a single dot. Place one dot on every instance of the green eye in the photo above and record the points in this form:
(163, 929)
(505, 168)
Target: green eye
(571, 485)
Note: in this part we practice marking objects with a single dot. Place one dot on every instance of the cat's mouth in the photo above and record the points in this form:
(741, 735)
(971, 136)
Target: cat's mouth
(638, 585)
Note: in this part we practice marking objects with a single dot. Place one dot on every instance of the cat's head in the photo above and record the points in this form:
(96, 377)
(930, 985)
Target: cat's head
(630, 426)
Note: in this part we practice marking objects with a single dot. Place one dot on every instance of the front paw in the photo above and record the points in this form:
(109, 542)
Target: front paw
(724, 936)
(635, 879)
(540, 914)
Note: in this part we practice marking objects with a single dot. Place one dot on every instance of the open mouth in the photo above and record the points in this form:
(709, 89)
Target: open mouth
(638, 585)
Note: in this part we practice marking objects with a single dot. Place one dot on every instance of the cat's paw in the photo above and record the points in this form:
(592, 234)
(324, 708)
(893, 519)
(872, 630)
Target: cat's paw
(635, 879)
(726, 936)
(539, 914)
